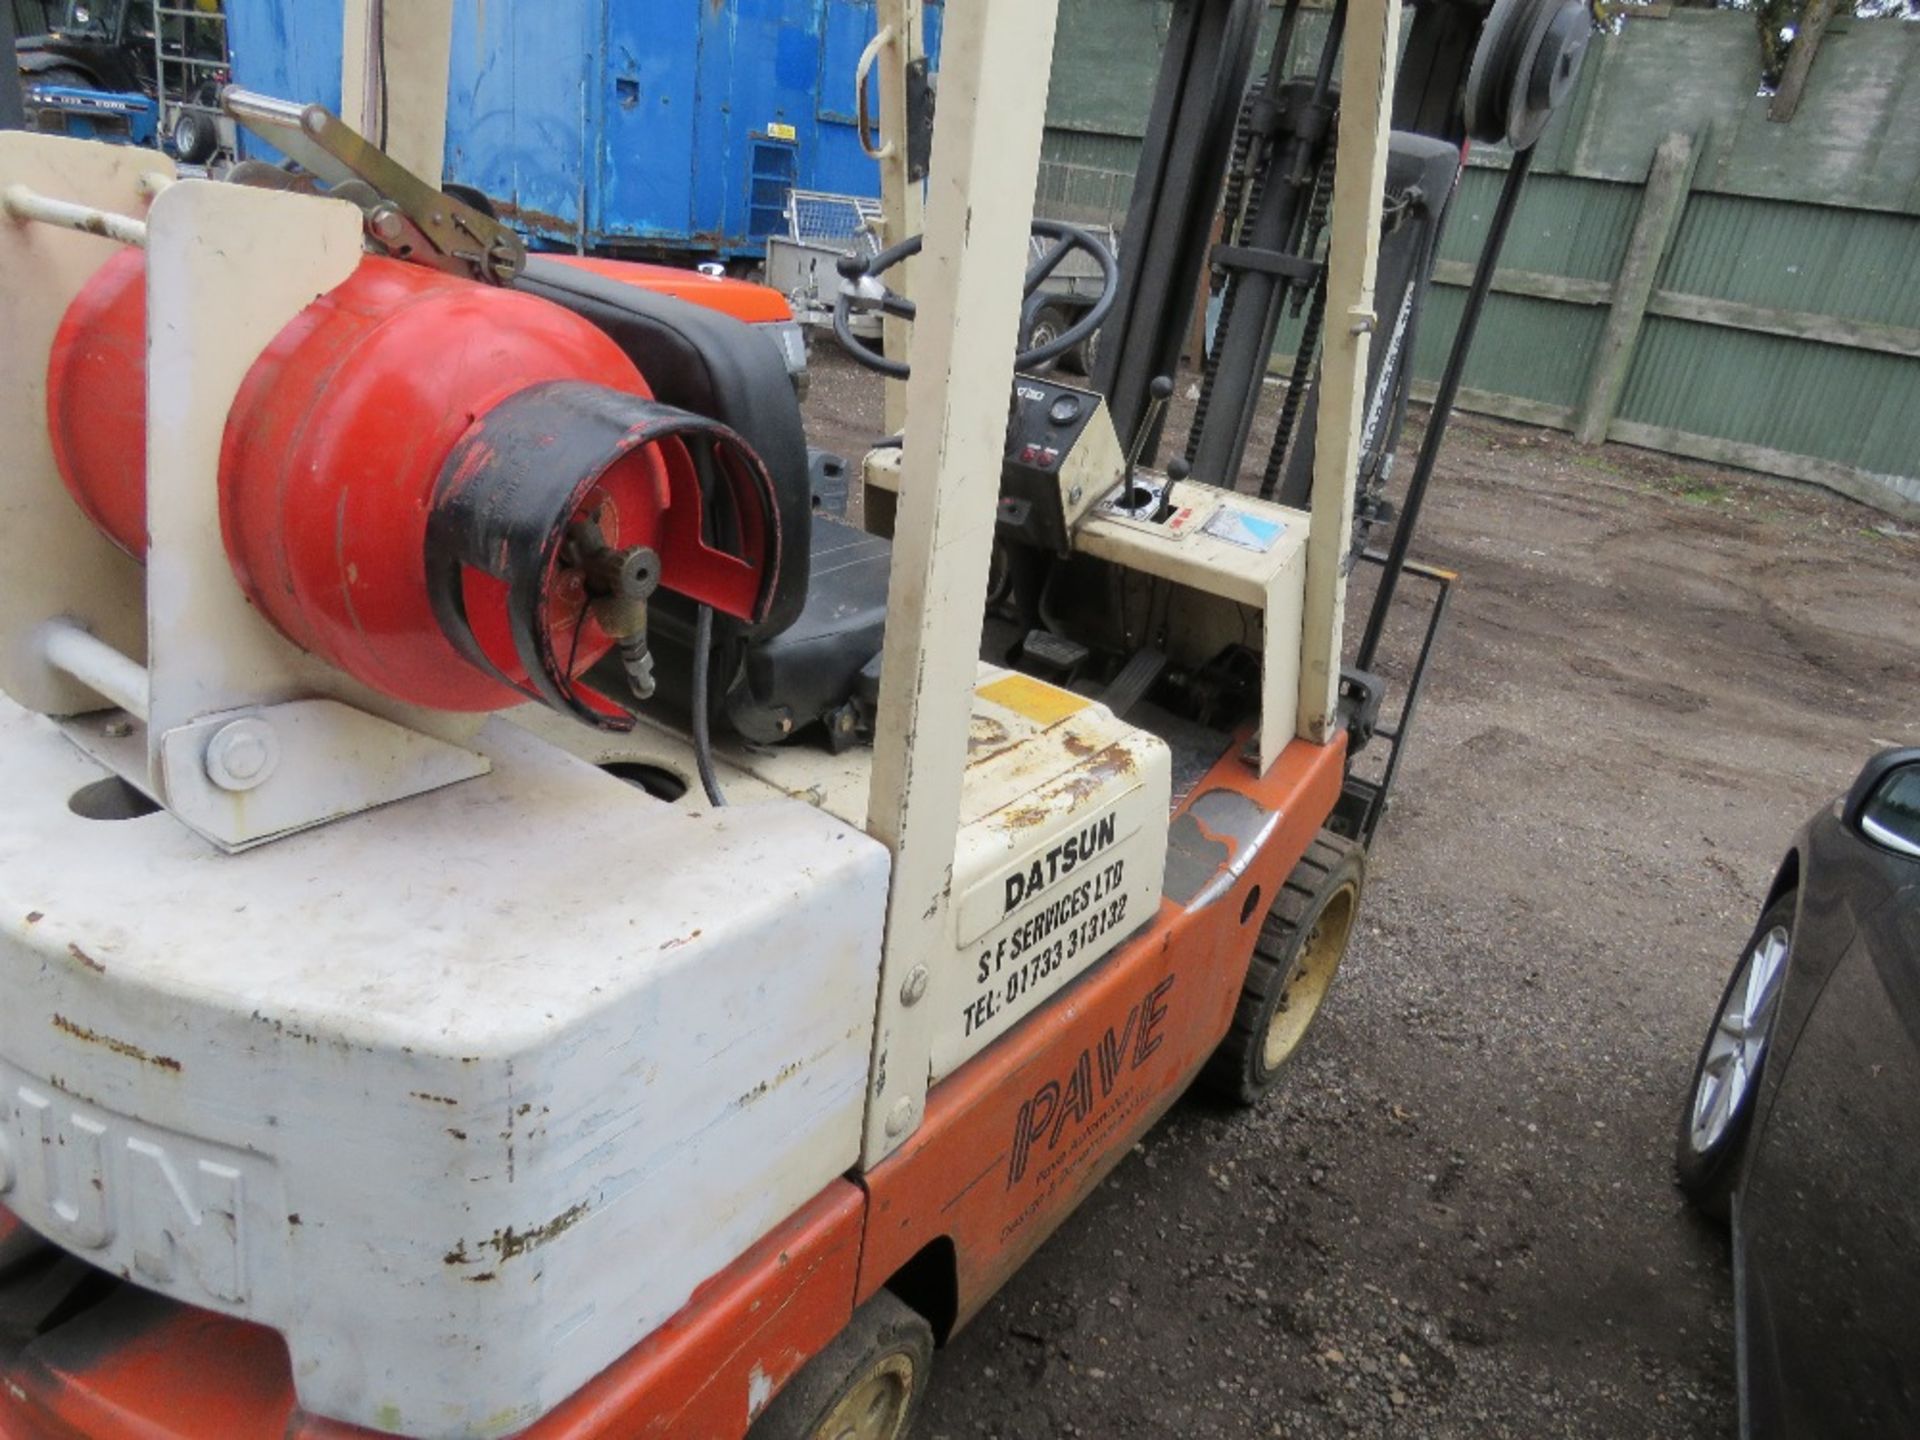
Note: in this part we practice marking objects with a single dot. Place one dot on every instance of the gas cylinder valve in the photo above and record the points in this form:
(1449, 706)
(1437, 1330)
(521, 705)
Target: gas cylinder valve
(618, 584)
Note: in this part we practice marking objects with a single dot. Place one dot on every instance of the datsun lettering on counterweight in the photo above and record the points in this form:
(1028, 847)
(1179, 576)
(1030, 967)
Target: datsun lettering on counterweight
(1060, 861)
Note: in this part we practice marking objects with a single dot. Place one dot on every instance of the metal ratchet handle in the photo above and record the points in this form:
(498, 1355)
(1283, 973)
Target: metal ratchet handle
(416, 221)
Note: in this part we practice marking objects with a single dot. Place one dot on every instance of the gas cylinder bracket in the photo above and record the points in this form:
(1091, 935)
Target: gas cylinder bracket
(242, 778)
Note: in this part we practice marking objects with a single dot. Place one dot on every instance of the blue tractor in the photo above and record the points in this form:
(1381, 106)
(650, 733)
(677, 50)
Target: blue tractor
(129, 70)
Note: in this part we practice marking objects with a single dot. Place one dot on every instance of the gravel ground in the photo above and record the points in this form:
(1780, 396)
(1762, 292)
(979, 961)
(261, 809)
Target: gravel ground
(1454, 1218)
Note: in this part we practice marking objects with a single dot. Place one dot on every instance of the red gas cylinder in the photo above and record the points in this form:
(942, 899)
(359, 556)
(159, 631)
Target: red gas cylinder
(401, 472)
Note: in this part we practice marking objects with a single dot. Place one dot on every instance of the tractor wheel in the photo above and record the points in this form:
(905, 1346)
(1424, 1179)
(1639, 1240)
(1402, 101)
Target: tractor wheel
(866, 1385)
(1719, 1111)
(1302, 941)
(195, 138)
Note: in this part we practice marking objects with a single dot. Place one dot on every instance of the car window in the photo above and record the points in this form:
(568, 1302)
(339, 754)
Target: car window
(1893, 815)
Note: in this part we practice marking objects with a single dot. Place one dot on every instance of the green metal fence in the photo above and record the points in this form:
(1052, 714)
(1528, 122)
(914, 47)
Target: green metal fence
(1683, 274)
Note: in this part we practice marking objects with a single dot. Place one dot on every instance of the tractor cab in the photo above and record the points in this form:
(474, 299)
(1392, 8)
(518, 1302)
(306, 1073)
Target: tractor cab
(94, 44)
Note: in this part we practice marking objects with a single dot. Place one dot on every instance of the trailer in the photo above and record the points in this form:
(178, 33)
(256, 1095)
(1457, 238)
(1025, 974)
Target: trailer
(511, 923)
(671, 127)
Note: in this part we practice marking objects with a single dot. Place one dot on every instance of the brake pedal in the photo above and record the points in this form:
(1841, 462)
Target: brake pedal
(1133, 682)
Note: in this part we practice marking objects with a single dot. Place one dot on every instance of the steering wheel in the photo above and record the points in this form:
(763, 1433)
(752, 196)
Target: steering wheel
(862, 292)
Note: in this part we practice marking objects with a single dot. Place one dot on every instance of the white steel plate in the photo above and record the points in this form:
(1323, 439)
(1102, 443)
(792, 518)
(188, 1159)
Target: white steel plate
(464, 1096)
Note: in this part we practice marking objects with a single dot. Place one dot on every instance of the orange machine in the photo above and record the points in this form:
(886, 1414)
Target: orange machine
(515, 922)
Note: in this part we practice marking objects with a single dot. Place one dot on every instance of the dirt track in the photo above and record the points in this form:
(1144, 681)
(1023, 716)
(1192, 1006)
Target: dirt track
(1454, 1219)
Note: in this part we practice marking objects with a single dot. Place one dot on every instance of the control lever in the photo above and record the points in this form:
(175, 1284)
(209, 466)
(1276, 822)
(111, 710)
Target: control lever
(1160, 392)
(1177, 470)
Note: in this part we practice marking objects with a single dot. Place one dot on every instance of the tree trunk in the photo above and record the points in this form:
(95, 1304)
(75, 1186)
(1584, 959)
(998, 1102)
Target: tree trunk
(1806, 44)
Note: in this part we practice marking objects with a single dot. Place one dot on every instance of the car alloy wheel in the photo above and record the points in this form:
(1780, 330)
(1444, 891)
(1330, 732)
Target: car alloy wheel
(1738, 1042)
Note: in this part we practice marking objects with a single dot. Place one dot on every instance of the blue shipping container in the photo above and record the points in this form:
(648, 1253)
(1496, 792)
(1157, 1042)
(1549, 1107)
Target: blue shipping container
(656, 125)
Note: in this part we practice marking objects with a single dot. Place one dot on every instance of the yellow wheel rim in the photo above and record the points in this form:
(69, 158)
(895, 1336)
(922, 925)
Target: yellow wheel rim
(1312, 974)
(876, 1408)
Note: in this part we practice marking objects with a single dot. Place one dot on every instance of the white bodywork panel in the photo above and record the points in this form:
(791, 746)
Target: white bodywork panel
(1238, 565)
(1250, 587)
(465, 1096)
(1053, 780)
(1061, 854)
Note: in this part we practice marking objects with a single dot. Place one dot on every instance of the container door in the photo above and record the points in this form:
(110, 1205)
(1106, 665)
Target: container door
(517, 113)
(759, 64)
(648, 164)
(837, 163)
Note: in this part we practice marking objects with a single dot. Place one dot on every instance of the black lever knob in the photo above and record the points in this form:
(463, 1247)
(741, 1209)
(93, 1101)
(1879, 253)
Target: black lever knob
(1159, 393)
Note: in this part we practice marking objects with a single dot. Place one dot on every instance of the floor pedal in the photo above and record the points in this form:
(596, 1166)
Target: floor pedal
(1052, 657)
(1133, 682)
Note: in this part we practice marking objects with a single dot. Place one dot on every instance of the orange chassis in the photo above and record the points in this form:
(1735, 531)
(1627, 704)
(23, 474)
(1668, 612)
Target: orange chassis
(1010, 1146)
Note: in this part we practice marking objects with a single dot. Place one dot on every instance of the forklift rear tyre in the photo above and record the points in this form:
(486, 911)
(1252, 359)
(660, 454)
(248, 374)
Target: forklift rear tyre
(1302, 941)
(866, 1385)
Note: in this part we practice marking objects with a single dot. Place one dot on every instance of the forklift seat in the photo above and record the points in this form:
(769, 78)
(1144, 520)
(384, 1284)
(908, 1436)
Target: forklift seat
(820, 642)
(711, 365)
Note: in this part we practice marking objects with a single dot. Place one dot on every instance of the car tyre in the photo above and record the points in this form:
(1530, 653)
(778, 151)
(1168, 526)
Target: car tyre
(1301, 944)
(1717, 1119)
(867, 1384)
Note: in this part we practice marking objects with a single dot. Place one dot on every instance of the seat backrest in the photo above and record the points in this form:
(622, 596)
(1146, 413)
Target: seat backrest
(712, 365)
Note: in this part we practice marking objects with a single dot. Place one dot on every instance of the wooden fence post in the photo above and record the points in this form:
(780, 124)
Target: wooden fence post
(1662, 204)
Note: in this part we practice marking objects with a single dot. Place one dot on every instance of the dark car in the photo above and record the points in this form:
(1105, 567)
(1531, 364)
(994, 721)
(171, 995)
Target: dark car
(1802, 1124)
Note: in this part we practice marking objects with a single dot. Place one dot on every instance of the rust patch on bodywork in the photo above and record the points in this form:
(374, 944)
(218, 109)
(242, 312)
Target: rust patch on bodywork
(986, 733)
(535, 219)
(1113, 763)
(118, 1047)
(86, 959)
(34, 917)
(510, 1242)
(435, 1099)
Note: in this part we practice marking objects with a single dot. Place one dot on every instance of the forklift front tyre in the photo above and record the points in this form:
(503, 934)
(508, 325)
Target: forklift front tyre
(1302, 941)
(866, 1385)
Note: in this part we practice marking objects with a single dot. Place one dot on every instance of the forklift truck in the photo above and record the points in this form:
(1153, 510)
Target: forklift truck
(510, 923)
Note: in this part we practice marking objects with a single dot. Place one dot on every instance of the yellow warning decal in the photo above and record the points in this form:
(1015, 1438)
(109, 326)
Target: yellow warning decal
(1040, 702)
(778, 131)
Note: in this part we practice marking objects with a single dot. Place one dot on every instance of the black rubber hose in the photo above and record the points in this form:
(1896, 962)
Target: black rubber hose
(702, 736)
